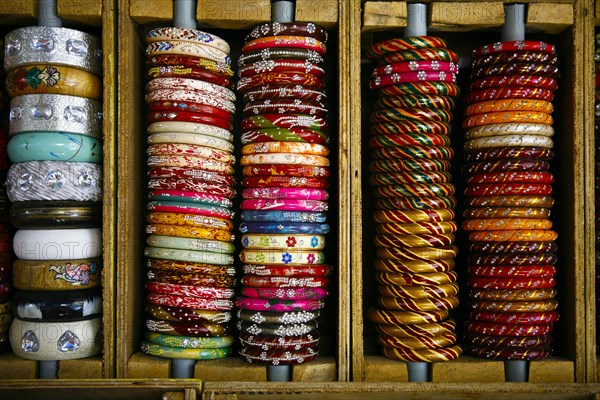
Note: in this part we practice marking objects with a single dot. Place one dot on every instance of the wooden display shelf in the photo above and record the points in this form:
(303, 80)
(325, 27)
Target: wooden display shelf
(97, 17)
(232, 19)
(569, 26)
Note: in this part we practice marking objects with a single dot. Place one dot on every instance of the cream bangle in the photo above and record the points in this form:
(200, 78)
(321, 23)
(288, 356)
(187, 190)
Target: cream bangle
(191, 138)
(509, 129)
(282, 257)
(509, 141)
(283, 241)
(55, 113)
(190, 96)
(190, 127)
(188, 35)
(285, 158)
(51, 45)
(54, 180)
(191, 84)
(57, 244)
(56, 340)
(177, 47)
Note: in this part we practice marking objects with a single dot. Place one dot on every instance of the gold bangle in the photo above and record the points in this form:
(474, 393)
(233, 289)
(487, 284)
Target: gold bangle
(195, 232)
(57, 274)
(53, 79)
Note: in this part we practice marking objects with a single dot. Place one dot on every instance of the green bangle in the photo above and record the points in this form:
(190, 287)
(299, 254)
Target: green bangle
(204, 257)
(54, 146)
(186, 243)
(190, 342)
(184, 353)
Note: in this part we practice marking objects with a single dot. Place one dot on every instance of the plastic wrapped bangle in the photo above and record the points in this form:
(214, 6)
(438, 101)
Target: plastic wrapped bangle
(417, 331)
(179, 314)
(379, 316)
(288, 270)
(408, 139)
(49, 214)
(53, 45)
(179, 127)
(187, 35)
(509, 128)
(190, 208)
(54, 146)
(285, 182)
(417, 228)
(196, 328)
(510, 201)
(59, 306)
(513, 247)
(420, 240)
(56, 340)
(288, 28)
(189, 267)
(517, 69)
(57, 275)
(186, 353)
(220, 68)
(280, 92)
(410, 126)
(432, 278)
(422, 54)
(195, 232)
(512, 176)
(517, 294)
(57, 244)
(204, 292)
(190, 342)
(288, 65)
(512, 330)
(510, 46)
(411, 66)
(55, 113)
(510, 283)
(424, 304)
(510, 92)
(189, 255)
(512, 57)
(247, 303)
(415, 203)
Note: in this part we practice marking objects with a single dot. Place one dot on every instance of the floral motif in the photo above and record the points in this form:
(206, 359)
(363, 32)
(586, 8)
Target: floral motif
(34, 77)
(286, 258)
(314, 242)
(310, 258)
(260, 257)
(81, 274)
(264, 241)
(291, 241)
(245, 241)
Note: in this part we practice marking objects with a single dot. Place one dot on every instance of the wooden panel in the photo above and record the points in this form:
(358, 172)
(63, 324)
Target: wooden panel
(143, 366)
(79, 12)
(86, 368)
(13, 367)
(234, 14)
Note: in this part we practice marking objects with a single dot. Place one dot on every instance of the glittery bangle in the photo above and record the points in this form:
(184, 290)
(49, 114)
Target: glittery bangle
(285, 193)
(512, 176)
(196, 328)
(287, 121)
(410, 216)
(260, 67)
(190, 96)
(506, 165)
(184, 116)
(190, 173)
(258, 317)
(499, 189)
(57, 275)
(297, 170)
(518, 318)
(288, 270)
(57, 244)
(193, 190)
(410, 126)
(488, 224)
(411, 66)
(284, 294)
(285, 158)
(278, 357)
(191, 208)
(425, 304)
(189, 219)
(423, 54)
(280, 330)
(416, 203)
(401, 114)
(52, 45)
(292, 257)
(187, 35)
(285, 147)
(283, 216)
(248, 303)
(188, 255)
(510, 92)
(419, 291)
(507, 341)
(186, 243)
(285, 107)
(515, 294)
(296, 135)
(280, 53)
(190, 161)
(489, 130)
(178, 47)
(509, 353)
(55, 113)
(223, 280)
(494, 329)
(257, 241)
(180, 314)
(181, 71)
(192, 149)
(49, 214)
(517, 45)
(408, 139)
(510, 201)
(56, 340)
(517, 56)
(433, 278)
(288, 28)
(509, 105)
(204, 292)
(420, 100)
(417, 240)
(188, 302)
(54, 146)
(536, 81)
(284, 205)
(417, 228)
(220, 68)
(380, 316)
(285, 182)
(190, 127)
(288, 41)
(510, 283)
(521, 306)
(380, 81)
(191, 84)
(518, 235)
(425, 330)
(179, 106)
(513, 247)
(519, 140)
(186, 353)
(284, 92)
(536, 117)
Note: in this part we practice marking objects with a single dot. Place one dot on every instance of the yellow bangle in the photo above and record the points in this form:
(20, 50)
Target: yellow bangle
(53, 79)
(190, 232)
(57, 274)
(170, 218)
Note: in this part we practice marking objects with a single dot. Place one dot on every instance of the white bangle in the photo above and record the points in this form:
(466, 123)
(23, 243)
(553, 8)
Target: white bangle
(190, 127)
(57, 244)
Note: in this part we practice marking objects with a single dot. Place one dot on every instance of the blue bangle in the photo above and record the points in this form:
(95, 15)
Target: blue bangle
(278, 227)
(54, 146)
(283, 216)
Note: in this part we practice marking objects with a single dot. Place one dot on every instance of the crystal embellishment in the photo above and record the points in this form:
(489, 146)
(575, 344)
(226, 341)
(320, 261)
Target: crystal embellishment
(85, 180)
(15, 113)
(68, 342)
(42, 43)
(74, 114)
(25, 181)
(13, 47)
(76, 46)
(55, 180)
(42, 111)
(30, 342)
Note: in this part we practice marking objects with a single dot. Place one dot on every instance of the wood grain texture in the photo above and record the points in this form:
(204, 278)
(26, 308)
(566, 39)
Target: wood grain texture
(78, 12)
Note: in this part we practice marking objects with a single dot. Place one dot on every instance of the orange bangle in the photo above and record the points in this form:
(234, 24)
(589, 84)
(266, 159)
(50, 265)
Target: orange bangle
(509, 105)
(489, 224)
(512, 236)
(190, 232)
(53, 79)
(170, 218)
(506, 212)
(510, 201)
(535, 117)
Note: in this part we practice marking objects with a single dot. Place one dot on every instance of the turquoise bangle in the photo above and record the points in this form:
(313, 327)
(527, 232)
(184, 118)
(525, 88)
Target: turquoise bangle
(184, 243)
(184, 353)
(203, 257)
(190, 342)
(54, 146)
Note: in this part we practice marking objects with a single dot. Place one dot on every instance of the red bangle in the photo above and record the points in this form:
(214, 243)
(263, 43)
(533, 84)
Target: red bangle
(536, 153)
(509, 353)
(416, 203)
(183, 172)
(168, 105)
(280, 78)
(517, 318)
(284, 92)
(396, 228)
(416, 101)
(513, 259)
(406, 43)
(411, 126)
(425, 87)
(488, 189)
(419, 164)
(186, 116)
(167, 71)
(409, 267)
(431, 152)
(511, 57)
(512, 294)
(517, 69)
(190, 61)
(518, 45)
(189, 302)
(391, 178)
(285, 182)
(513, 247)
(424, 54)
(193, 185)
(512, 176)
(494, 329)
(410, 66)
(284, 294)
(401, 114)
(534, 117)
(521, 271)
(394, 78)
(510, 92)
(260, 67)
(287, 270)
(502, 81)
(191, 149)
(520, 306)
(204, 292)
(510, 201)
(505, 165)
(287, 41)
(508, 341)
(284, 107)
(189, 267)
(510, 283)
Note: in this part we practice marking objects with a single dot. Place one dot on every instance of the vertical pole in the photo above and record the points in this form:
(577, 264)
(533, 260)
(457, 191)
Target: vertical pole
(48, 369)
(183, 368)
(516, 371)
(48, 14)
(416, 21)
(514, 23)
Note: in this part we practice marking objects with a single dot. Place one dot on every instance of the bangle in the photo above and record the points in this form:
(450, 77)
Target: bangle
(512, 57)
(512, 330)
(190, 342)
(414, 189)
(518, 318)
(293, 257)
(49, 214)
(186, 243)
(417, 228)
(287, 121)
(510, 283)
(505, 165)
(192, 149)
(54, 180)
(389, 317)
(291, 41)
(248, 303)
(53, 79)
(509, 353)
(175, 266)
(520, 306)
(415, 331)
(55, 113)
(288, 270)
(489, 224)
(187, 353)
(509, 105)
(419, 291)
(514, 294)
(285, 281)
(280, 53)
(196, 328)
(284, 294)
(426, 164)
(380, 81)
(181, 71)
(193, 139)
(220, 68)
(296, 135)
(421, 240)
(187, 35)
(288, 28)
(249, 341)
(415, 151)
(278, 357)
(519, 235)
(408, 139)
(512, 176)
(280, 78)
(414, 266)
(70, 340)
(179, 314)
(283, 216)
(433, 278)
(56, 275)
(284, 107)
(194, 302)
(425, 87)
(285, 182)
(299, 66)
(409, 304)
(205, 87)
(508, 341)
(411, 66)
(285, 193)
(411, 216)
(422, 54)
(285, 147)
(406, 43)
(284, 205)
(284, 330)
(190, 161)
(204, 292)
(513, 247)
(509, 129)
(158, 116)
(519, 140)
(510, 201)
(53, 45)
(274, 241)
(284, 158)
(416, 101)
(415, 203)
(307, 171)
(54, 146)
(6, 289)
(190, 96)
(189, 255)
(189, 219)
(536, 81)
(537, 117)
(188, 278)
(189, 127)
(409, 177)
(547, 70)
(60, 306)
(200, 174)
(298, 317)
(280, 92)
(518, 45)
(498, 189)
(510, 92)
(57, 244)
(183, 48)
(400, 114)
(190, 190)
(174, 106)
(191, 208)
(411, 126)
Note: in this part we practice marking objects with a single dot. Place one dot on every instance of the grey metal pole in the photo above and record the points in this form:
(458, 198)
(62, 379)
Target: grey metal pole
(48, 14)
(183, 368)
(514, 23)
(416, 21)
(184, 14)
(516, 371)
(48, 369)
(419, 371)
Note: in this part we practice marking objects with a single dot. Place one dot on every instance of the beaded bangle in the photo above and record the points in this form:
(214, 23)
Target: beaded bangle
(179, 106)
(411, 66)
(280, 53)
(518, 45)
(285, 107)
(187, 35)
(260, 67)
(423, 54)
(285, 158)
(57, 244)
(57, 275)
(248, 303)
(283, 121)
(54, 146)
(288, 270)
(278, 357)
(288, 28)
(284, 294)
(380, 81)
(284, 92)
(189, 127)
(284, 330)
(277, 317)
(536, 81)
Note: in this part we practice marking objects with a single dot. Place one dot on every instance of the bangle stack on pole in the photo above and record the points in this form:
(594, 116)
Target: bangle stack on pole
(191, 277)
(508, 149)
(54, 79)
(285, 193)
(410, 173)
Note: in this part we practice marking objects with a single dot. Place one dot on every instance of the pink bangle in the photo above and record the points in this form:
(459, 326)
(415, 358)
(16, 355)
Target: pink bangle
(189, 302)
(190, 290)
(288, 270)
(268, 42)
(285, 181)
(519, 45)
(285, 193)
(191, 84)
(284, 294)
(193, 185)
(285, 158)
(280, 78)
(281, 65)
(410, 66)
(287, 205)
(192, 96)
(190, 162)
(248, 303)
(210, 211)
(406, 77)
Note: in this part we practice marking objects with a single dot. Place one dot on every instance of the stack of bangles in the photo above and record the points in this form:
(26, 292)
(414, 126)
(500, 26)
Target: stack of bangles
(54, 79)
(6, 286)
(416, 89)
(508, 197)
(191, 187)
(285, 193)
(597, 181)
